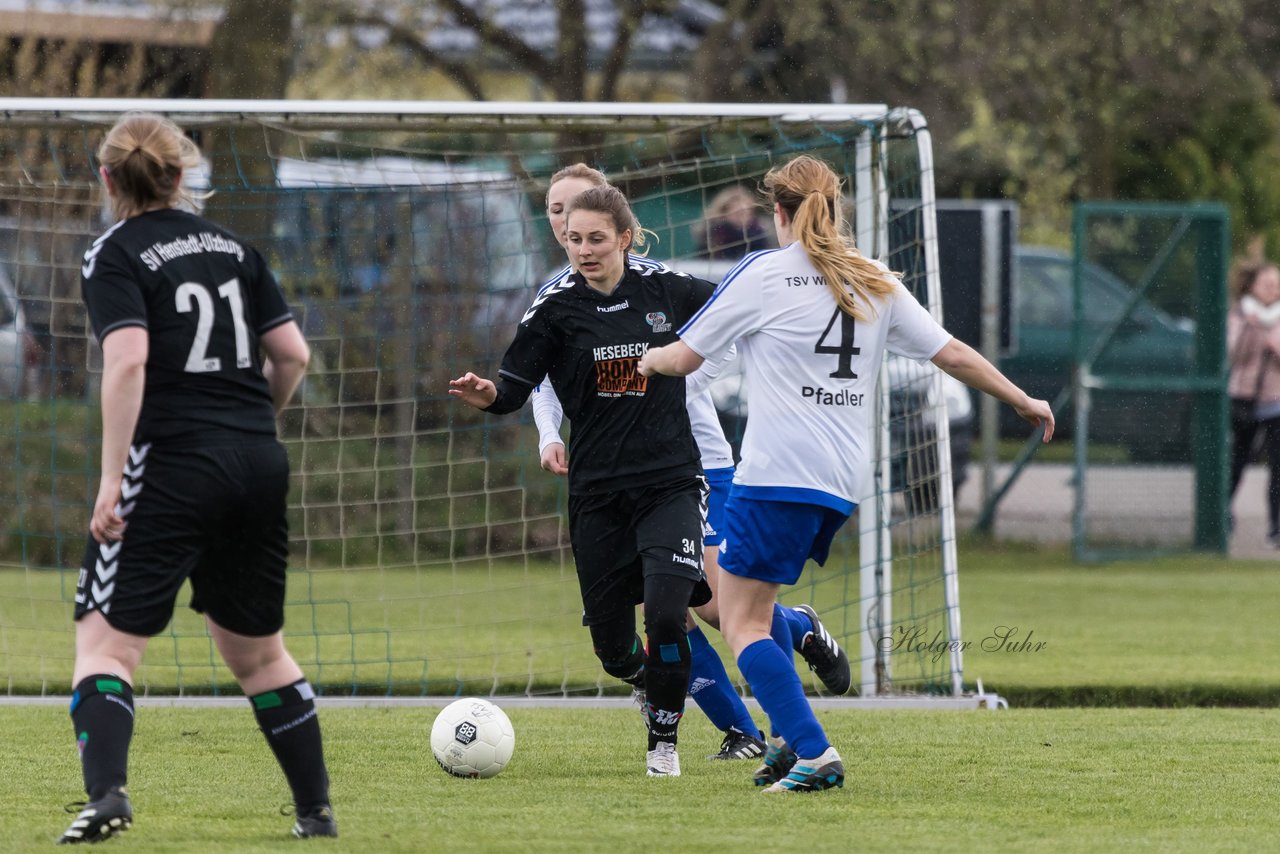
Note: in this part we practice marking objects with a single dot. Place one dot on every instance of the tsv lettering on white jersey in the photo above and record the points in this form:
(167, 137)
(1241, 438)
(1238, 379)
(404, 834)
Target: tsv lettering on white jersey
(805, 281)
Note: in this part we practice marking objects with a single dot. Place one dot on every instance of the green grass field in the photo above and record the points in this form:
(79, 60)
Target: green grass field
(1165, 632)
(1172, 631)
(1062, 779)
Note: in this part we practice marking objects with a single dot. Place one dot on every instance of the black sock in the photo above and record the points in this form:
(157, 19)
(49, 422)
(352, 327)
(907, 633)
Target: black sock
(102, 713)
(668, 659)
(287, 717)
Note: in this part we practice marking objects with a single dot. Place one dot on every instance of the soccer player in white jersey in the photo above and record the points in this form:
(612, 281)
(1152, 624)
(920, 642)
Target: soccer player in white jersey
(812, 321)
(796, 628)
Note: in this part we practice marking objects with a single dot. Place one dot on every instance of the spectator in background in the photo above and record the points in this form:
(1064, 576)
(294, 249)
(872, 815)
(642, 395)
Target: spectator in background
(1253, 348)
(732, 226)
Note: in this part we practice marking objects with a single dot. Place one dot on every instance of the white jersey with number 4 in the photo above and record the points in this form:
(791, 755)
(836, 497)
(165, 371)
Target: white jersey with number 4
(810, 371)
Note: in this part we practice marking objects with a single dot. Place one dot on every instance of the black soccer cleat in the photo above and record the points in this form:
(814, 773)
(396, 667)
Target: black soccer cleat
(778, 760)
(738, 745)
(108, 816)
(315, 821)
(824, 656)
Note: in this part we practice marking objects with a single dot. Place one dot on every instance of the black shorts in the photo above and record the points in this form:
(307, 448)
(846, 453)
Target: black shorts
(215, 515)
(620, 537)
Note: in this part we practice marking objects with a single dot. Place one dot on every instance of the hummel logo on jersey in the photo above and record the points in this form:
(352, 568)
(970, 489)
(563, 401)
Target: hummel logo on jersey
(606, 309)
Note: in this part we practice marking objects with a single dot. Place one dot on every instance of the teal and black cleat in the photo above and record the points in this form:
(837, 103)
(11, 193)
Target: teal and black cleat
(812, 775)
(778, 759)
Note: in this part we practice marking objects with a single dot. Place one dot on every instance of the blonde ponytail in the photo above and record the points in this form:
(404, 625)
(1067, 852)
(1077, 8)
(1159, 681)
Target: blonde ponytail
(809, 191)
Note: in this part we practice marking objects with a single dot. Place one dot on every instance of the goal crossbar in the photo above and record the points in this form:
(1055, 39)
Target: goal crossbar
(411, 115)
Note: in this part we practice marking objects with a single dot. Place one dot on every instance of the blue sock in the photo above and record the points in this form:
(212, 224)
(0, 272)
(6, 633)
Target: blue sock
(789, 627)
(772, 676)
(711, 689)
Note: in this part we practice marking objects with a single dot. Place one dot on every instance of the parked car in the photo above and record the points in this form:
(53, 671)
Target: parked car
(1152, 425)
(18, 350)
(913, 409)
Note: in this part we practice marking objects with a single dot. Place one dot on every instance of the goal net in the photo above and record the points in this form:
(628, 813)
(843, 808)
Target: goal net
(429, 550)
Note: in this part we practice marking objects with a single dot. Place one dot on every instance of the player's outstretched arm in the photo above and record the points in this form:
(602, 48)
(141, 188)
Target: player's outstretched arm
(674, 360)
(473, 390)
(968, 365)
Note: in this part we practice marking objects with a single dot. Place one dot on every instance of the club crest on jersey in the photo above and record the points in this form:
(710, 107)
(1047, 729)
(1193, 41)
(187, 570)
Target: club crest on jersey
(658, 321)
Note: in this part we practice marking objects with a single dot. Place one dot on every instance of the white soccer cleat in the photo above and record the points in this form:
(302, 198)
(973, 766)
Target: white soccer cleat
(663, 761)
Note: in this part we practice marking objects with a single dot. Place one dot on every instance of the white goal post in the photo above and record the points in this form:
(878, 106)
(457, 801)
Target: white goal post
(411, 524)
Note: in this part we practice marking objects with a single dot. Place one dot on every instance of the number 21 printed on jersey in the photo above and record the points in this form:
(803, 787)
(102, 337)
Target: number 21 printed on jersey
(192, 295)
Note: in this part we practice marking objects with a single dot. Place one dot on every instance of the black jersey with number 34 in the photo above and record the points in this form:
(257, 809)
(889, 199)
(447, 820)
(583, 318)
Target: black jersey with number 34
(204, 297)
(627, 430)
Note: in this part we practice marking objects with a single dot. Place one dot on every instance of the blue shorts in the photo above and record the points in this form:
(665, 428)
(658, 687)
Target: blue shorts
(719, 480)
(771, 540)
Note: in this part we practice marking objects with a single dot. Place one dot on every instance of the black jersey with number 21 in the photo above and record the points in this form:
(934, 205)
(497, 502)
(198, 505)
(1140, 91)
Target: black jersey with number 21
(204, 297)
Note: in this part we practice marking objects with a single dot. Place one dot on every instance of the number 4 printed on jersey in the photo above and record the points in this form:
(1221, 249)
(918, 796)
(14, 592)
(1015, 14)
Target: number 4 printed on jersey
(845, 350)
(198, 360)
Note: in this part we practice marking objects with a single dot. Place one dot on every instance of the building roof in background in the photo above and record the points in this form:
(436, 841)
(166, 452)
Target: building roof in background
(109, 21)
(532, 21)
(535, 23)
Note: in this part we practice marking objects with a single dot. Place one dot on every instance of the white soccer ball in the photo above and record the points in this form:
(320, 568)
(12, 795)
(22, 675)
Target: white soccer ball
(472, 738)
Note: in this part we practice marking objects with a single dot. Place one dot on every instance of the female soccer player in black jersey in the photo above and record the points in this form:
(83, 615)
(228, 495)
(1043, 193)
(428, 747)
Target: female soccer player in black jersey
(200, 352)
(636, 491)
(798, 627)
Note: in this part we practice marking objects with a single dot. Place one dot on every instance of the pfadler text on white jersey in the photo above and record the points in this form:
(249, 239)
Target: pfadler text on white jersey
(811, 373)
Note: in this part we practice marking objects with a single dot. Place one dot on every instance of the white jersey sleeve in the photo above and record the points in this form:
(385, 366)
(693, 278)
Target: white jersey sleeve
(734, 310)
(912, 331)
(548, 414)
(700, 380)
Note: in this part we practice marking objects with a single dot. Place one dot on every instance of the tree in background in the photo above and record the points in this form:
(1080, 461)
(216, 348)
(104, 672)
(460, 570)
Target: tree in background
(1040, 102)
(251, 57)
(560, 56)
